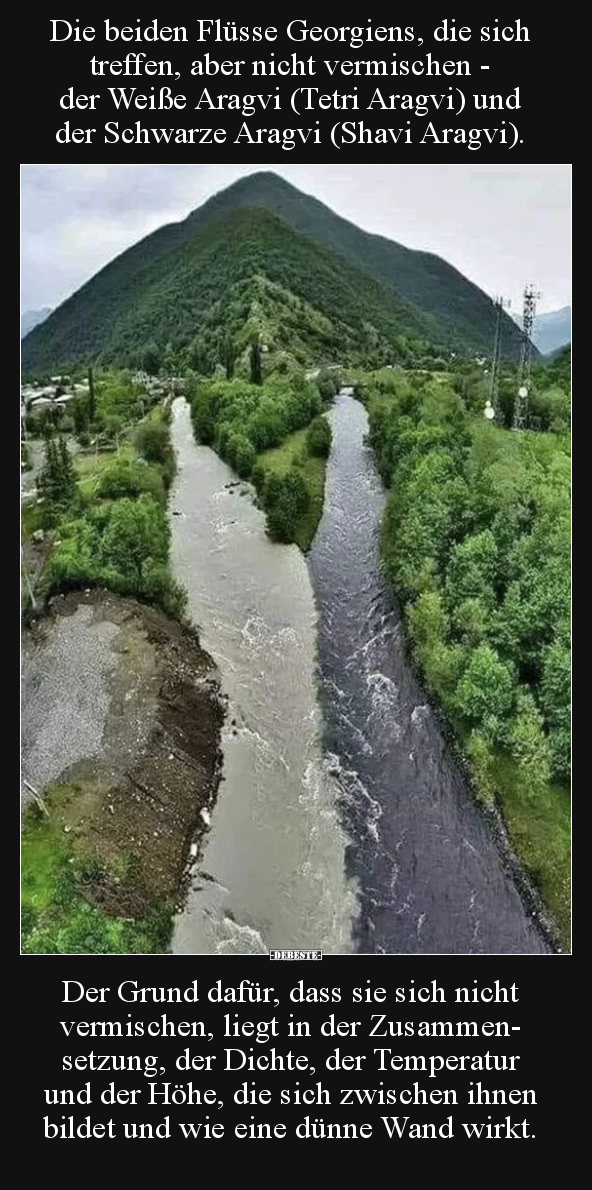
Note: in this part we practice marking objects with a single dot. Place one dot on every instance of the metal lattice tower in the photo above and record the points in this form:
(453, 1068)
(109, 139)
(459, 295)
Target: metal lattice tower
(500, 303)
(521, 402)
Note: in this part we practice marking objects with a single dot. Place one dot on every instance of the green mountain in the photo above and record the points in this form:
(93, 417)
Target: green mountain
(464, 313)
(263, 257)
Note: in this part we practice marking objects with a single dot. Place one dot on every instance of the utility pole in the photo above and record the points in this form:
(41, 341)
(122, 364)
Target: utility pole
(500, 303)
(520, 421)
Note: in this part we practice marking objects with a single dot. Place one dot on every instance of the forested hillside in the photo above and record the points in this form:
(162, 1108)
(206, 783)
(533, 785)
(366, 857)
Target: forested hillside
(330, 290)
(463, 313)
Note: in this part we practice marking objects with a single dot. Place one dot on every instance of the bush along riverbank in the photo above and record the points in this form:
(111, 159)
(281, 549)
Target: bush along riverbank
(275, 435)
(476, 545)
(122, 712)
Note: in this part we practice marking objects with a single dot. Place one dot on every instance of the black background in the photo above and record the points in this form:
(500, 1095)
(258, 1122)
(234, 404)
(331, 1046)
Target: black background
(549, 1039)
(541, 68)
(545, 1040)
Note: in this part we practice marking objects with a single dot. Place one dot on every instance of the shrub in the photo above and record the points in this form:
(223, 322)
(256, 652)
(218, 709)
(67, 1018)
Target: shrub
(152, 440)
(286, 499)
(125, 478)
(318, 437)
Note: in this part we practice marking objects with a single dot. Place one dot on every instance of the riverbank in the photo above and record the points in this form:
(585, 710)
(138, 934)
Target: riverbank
(273, 434)
(431, 873)
(128, 788)
(122, 713)
(293, 454)
(475, 545)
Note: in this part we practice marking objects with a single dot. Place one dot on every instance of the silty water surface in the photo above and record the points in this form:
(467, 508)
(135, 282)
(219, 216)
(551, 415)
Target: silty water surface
(272, 873)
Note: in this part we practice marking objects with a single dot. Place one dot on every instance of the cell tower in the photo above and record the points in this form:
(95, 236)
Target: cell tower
(521, 402)
(500, 303)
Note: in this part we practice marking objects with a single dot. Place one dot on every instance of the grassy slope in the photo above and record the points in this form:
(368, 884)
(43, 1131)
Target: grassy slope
(54, 862)
(540, 833)
(312, 470)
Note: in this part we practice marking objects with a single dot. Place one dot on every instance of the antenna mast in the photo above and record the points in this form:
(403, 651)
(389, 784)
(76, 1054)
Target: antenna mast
(521, 403)
(499, 303)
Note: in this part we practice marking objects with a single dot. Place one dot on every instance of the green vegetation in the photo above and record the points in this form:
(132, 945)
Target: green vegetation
(246, 423)
(295, 512)
(246, 277)
(119, 536)
(549, 394)
(241, 297)
(57, 479)
(476, 543)
(318, 438)
(262, 257)
(107, 517)
(107, 510)
(62, 876)
(462, 314)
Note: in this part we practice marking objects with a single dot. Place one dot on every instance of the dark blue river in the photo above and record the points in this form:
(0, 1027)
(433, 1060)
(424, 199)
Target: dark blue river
(430, 876)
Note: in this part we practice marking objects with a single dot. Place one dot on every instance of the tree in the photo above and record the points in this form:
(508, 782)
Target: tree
(528, 745)
(152, 440)
(126, 478)
(471, 570)
(228, 356)
(428, 620)
(92, 401)
(255, 363)
(286, 499)
(240, 454)
(318, 438)
(75, 559)
(169, 361)
(485, 692)
(66, 469)
(57, 480)
(555, 703)
(481, 757)
(136, 532)
(80, 415)
(151, 359)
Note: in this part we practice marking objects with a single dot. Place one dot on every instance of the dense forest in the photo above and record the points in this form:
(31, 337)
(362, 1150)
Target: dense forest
(461, 312)
(476, 543)
(107, 512)
(246, 421)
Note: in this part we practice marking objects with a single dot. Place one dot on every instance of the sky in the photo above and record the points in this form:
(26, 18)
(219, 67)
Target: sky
(503, 226)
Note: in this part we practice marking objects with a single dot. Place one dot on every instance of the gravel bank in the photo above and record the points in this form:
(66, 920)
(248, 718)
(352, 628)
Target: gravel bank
(65, 694)
(122, 709)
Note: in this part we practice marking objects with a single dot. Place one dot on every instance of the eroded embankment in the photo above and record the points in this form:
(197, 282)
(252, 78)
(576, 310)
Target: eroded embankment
(121, 725)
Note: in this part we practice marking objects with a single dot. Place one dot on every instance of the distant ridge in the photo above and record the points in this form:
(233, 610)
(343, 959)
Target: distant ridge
(32, 318)
(553, 330)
